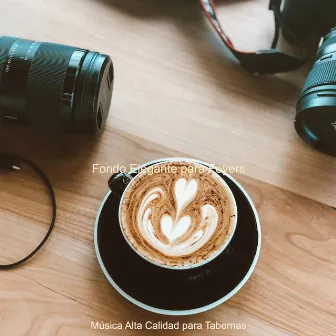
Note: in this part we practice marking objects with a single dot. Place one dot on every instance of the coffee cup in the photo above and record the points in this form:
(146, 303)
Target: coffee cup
(179, 214)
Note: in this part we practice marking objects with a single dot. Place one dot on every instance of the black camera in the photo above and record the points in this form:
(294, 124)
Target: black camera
(316, 109)
(299, 20)
(306, 17)
(54, 87)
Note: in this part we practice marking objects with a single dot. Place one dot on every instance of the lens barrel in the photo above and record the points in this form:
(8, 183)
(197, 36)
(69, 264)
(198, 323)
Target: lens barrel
(54, 87)
(316, 109)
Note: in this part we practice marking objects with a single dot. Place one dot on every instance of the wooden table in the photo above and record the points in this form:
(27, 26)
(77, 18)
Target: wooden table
(176, 94)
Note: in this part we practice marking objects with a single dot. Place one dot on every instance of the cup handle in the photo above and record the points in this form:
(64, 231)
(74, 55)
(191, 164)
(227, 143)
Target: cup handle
(118, 183)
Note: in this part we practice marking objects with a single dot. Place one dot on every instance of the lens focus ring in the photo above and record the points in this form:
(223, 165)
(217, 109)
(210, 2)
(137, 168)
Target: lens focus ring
(324, 72)
(45, 85)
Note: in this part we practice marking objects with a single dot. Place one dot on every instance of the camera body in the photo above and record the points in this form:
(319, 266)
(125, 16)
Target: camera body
(299, 20)
(309, 17)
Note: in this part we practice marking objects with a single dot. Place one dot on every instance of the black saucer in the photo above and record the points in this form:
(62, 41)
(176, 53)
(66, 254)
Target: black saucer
(178, 292)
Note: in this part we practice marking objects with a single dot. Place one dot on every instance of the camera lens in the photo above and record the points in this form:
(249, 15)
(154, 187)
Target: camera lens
(316, 109)
(54, 87)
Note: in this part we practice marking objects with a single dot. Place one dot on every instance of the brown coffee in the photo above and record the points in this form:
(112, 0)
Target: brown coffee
(178, 214)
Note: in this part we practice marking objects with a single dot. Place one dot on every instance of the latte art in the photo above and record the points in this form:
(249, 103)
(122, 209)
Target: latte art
(177, 219)
(176, 236)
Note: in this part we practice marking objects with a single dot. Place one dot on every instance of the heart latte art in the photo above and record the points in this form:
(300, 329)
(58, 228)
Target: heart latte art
(176, 236)
(177, 219)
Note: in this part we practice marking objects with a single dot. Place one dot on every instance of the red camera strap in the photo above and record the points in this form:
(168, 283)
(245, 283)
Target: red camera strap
(263, 61)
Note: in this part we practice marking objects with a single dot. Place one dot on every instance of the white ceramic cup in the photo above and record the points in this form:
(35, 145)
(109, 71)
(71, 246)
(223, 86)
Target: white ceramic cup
(217, 177)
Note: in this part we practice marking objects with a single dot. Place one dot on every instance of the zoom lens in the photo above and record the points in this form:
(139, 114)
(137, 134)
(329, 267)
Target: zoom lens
(316, 110)
(54, 87)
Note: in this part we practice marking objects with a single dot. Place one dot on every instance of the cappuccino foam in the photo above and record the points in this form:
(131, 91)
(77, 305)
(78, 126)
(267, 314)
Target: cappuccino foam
(177, 217)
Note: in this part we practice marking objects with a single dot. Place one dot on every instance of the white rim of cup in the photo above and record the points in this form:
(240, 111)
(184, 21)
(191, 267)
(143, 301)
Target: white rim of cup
(233, 221)
(189, 311)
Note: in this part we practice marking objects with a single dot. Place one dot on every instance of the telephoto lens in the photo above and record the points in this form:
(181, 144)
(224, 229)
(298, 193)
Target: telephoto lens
(316, 109)
(54, 87)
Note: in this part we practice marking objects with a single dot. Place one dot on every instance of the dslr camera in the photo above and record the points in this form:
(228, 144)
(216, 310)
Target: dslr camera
(299, 20)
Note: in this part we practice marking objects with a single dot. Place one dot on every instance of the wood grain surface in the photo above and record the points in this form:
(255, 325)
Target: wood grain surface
(177, 93)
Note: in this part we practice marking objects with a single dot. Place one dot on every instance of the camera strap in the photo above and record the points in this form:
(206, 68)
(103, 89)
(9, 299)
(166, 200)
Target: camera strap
(263, 61)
